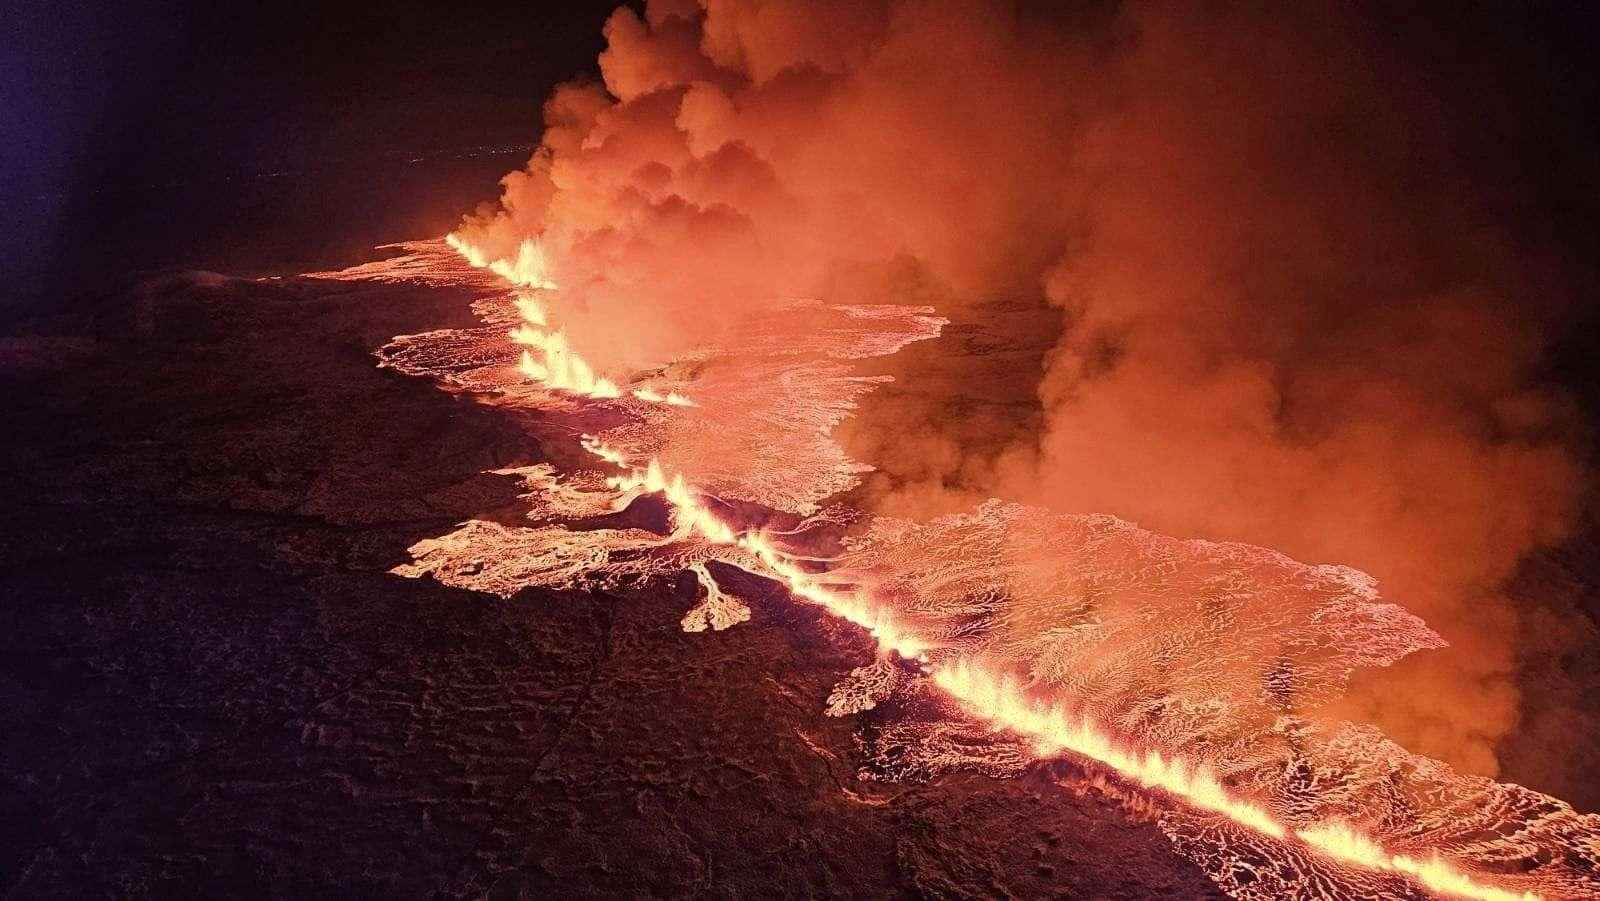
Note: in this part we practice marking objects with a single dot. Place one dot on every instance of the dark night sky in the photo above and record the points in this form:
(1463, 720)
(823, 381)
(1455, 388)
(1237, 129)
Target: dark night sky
(147, 133)
(268, 136)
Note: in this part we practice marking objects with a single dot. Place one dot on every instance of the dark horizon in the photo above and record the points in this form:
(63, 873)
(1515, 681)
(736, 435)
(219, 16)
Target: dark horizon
(143, 130)
(262, 136)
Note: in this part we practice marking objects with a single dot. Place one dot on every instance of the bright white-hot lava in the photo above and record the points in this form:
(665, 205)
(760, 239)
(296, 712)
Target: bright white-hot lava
(1185, 667)
(547, 358)
(998, 699)
(691, 516)
(527, 269)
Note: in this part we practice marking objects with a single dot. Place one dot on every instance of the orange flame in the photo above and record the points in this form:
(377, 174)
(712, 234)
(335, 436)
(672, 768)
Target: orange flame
(671, 398)
(561, 368)
(527, 269)
(557, 367)
(1340, 841)
(999, 700)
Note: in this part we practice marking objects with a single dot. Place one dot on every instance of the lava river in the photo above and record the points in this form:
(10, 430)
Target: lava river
(1185, 673)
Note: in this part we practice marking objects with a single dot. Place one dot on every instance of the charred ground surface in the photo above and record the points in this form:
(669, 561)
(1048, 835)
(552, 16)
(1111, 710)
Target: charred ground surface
(211, 685)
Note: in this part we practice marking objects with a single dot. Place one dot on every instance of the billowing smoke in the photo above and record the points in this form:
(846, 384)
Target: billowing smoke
(1300, 304)
(1295, 320)
(748, 154)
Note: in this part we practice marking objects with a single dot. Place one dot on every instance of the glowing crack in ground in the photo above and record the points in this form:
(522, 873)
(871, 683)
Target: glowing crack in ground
(1189, 670)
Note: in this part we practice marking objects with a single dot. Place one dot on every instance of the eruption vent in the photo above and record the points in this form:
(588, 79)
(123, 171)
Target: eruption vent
(1190, 670)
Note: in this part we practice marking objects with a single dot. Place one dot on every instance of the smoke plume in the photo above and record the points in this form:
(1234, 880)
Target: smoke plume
(1303, 299)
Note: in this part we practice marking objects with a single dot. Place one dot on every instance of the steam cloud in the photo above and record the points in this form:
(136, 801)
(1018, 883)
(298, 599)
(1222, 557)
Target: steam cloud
(1299, 304)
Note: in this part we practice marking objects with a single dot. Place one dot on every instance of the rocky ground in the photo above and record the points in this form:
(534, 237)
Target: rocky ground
(210, 685)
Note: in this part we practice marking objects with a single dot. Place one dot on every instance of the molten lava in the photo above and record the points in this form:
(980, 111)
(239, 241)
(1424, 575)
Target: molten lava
(1185, 668)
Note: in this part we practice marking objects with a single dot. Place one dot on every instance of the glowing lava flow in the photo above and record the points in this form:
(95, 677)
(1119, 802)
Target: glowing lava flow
(691, 516)
(1339, 841)
(527, 269)
(1000, 702)
(985, 695)
(997, 700)
(557, 366)
(561, 368)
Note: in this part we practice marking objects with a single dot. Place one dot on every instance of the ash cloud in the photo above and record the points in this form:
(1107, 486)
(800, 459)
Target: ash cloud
(1302, 264)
